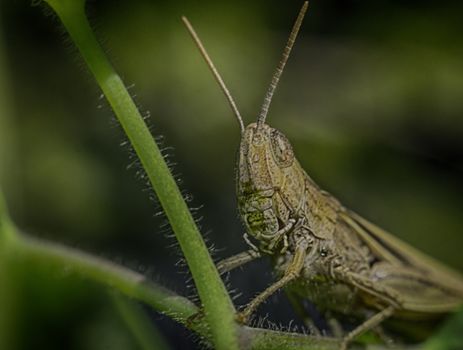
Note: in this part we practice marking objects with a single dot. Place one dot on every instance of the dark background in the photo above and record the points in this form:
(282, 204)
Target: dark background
(372, 101)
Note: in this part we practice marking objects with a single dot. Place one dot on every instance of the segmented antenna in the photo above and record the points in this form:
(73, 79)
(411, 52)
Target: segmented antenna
(281, 65)
(214, 71)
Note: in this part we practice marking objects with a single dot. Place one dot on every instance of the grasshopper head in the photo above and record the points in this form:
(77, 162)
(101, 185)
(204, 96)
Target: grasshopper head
(269, 183)
(264, 154)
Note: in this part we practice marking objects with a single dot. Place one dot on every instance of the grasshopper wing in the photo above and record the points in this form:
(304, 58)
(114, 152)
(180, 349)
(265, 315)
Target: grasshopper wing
(423, 284)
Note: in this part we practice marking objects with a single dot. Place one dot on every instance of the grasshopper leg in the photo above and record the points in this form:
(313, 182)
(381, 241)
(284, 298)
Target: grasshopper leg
(292, 272)
(237, 260)
(372, 322)
(381, 334)
(388, 296)
(226, 265)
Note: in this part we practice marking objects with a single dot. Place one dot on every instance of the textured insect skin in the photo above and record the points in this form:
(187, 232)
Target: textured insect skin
(348, 265)
(321, 250)
(273, 189)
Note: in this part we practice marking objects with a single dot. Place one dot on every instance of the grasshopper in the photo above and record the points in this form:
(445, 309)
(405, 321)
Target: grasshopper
(321, 250)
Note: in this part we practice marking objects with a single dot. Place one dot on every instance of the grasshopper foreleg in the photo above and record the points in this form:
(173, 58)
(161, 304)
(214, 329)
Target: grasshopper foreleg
(282, 234)
(292, 272)
(237, 260)
(226, 265)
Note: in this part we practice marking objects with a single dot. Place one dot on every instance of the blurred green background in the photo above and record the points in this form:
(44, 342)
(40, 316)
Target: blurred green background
(372, 100)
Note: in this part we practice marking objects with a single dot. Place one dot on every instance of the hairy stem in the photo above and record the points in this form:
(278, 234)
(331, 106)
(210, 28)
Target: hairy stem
(218, 308)
(259, 338)
(136, 286)
(126, 281)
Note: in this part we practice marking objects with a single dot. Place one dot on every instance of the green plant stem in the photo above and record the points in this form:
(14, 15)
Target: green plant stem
(136, 286)
(218, 308)
(264, 339)
(145, 333)
(126, 281)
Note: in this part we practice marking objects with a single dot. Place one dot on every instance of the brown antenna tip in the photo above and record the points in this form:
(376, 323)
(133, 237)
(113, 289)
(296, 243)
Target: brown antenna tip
(281, 65)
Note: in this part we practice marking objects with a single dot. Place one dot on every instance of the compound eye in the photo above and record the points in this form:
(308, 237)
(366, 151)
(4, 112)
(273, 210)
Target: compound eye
(282, 150)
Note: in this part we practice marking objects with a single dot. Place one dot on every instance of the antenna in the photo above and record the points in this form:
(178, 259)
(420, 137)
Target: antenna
(214, 71)
(281, 65)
